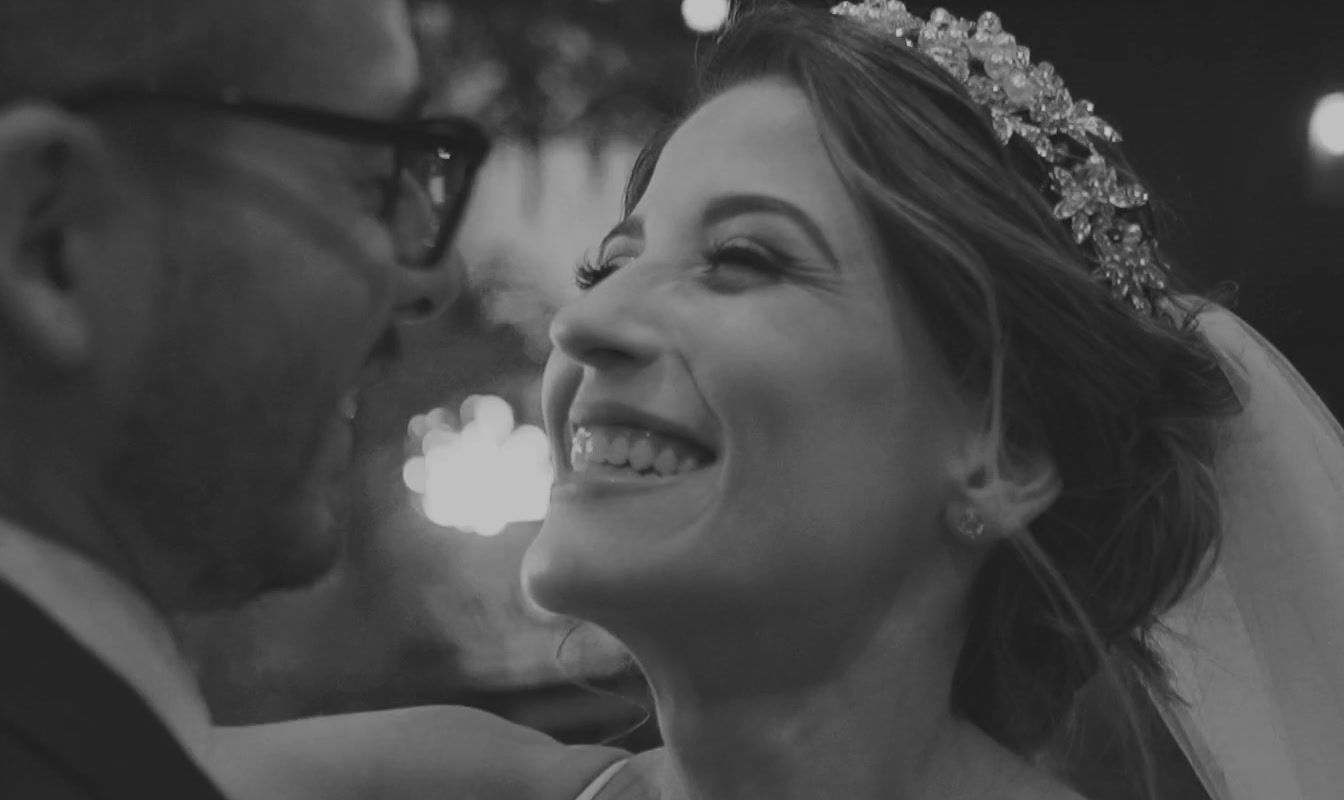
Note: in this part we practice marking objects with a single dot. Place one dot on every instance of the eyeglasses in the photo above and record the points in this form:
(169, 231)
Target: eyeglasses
(435, 159)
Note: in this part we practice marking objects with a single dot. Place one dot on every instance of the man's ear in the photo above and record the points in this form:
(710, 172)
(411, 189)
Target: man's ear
(1004, 491)
(50, 165)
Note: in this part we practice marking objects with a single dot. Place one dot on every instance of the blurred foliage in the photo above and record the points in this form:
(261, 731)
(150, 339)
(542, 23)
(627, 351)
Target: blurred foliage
(534, 69)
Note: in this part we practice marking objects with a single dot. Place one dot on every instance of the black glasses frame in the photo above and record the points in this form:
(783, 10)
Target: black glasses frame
(443, 138)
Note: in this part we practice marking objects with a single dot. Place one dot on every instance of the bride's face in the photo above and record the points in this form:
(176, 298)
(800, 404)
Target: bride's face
(748, 421)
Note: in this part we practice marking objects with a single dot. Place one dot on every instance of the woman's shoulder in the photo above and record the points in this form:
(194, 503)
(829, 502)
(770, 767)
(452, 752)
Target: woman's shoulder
(1041, 786)
(976, 764)
(635, 779)
(412, 753)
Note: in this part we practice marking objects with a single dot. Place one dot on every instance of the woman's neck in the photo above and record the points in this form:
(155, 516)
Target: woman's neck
(867, 720)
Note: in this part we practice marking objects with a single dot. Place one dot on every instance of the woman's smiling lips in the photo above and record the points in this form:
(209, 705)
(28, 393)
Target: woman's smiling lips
(614, 447)
(624, 435)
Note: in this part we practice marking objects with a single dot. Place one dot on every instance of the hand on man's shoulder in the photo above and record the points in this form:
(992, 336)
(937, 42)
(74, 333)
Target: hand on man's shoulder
(411, 753)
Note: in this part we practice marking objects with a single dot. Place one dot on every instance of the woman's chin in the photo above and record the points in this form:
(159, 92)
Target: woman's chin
(562, 573)
(587, 572)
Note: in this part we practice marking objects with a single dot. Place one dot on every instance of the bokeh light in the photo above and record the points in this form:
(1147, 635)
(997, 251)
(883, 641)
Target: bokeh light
(705, 16)
(1327, 125)
(479, 472)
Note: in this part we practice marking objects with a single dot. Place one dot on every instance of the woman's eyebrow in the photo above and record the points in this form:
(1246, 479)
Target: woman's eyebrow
(631, 227)
(732, 205)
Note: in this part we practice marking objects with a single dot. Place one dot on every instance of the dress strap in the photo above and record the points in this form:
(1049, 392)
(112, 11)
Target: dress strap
(595, 788)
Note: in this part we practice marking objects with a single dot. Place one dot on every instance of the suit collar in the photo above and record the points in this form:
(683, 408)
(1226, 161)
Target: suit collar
(69, 709)
(113, 622)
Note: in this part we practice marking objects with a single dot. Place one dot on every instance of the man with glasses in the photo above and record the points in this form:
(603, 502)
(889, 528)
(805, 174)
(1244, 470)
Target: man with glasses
(213, 214)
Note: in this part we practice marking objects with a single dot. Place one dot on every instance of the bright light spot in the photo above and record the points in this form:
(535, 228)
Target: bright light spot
(493, 414)
(439, 418)
(705, 16)
(485, 475)
(414, 474)
(437, 439)
(1327, 125)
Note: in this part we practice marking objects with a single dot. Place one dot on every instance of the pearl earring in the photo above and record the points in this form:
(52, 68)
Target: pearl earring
(970, 525)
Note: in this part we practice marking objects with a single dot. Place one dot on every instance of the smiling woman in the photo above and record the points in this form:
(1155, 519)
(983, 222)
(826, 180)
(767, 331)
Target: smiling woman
(869, 461)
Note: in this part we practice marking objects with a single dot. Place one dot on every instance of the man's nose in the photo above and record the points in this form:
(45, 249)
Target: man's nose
(424, 292)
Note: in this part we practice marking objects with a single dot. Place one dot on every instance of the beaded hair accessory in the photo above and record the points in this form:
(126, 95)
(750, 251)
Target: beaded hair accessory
(1029, 101)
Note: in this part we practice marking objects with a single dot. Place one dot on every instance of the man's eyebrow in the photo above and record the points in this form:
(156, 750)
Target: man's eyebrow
(732, 205)
(631, 227)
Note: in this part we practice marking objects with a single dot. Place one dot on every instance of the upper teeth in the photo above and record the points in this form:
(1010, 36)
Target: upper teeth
(631, 448)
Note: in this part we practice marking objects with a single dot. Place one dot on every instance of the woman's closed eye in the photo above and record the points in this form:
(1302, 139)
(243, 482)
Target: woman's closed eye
(739, 264)
(589, 273)
(732, 266)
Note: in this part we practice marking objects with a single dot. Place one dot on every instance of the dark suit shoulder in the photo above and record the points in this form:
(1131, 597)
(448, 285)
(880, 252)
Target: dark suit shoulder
(30, 773)
(70, 724)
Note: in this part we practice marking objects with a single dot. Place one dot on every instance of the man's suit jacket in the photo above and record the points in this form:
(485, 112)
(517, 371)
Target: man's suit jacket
(71, 729)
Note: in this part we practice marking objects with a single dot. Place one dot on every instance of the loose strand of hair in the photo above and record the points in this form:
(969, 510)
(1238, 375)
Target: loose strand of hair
(1040, 565)
(584, 684)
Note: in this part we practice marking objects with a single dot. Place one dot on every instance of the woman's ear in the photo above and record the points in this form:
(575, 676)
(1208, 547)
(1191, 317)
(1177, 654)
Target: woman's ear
(1000, 494)
(47, 165)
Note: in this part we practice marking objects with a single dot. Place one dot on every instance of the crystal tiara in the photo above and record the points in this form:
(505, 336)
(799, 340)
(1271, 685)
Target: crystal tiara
(1029, 101)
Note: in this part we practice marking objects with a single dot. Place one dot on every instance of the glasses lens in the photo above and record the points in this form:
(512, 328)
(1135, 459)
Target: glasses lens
(433, 185)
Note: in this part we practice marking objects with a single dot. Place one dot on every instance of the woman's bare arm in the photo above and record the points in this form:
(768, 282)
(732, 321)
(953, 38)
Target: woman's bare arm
(422, 753)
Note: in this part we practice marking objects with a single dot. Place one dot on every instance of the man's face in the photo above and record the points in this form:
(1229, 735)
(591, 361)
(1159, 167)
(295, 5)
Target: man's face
(281, 292)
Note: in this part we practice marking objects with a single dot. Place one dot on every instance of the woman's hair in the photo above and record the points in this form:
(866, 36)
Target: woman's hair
(1126, 405)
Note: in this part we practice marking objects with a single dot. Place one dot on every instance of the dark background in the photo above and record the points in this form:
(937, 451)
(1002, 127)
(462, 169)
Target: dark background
(1213, 100)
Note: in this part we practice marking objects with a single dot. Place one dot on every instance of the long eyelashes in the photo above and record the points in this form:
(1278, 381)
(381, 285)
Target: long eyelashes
(742, 255)
(589, 273)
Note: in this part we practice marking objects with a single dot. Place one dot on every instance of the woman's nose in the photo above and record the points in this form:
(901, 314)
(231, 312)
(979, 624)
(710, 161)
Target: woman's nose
(614, 324)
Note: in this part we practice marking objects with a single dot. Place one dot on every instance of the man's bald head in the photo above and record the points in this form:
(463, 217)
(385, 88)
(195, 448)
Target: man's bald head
(52, 47)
